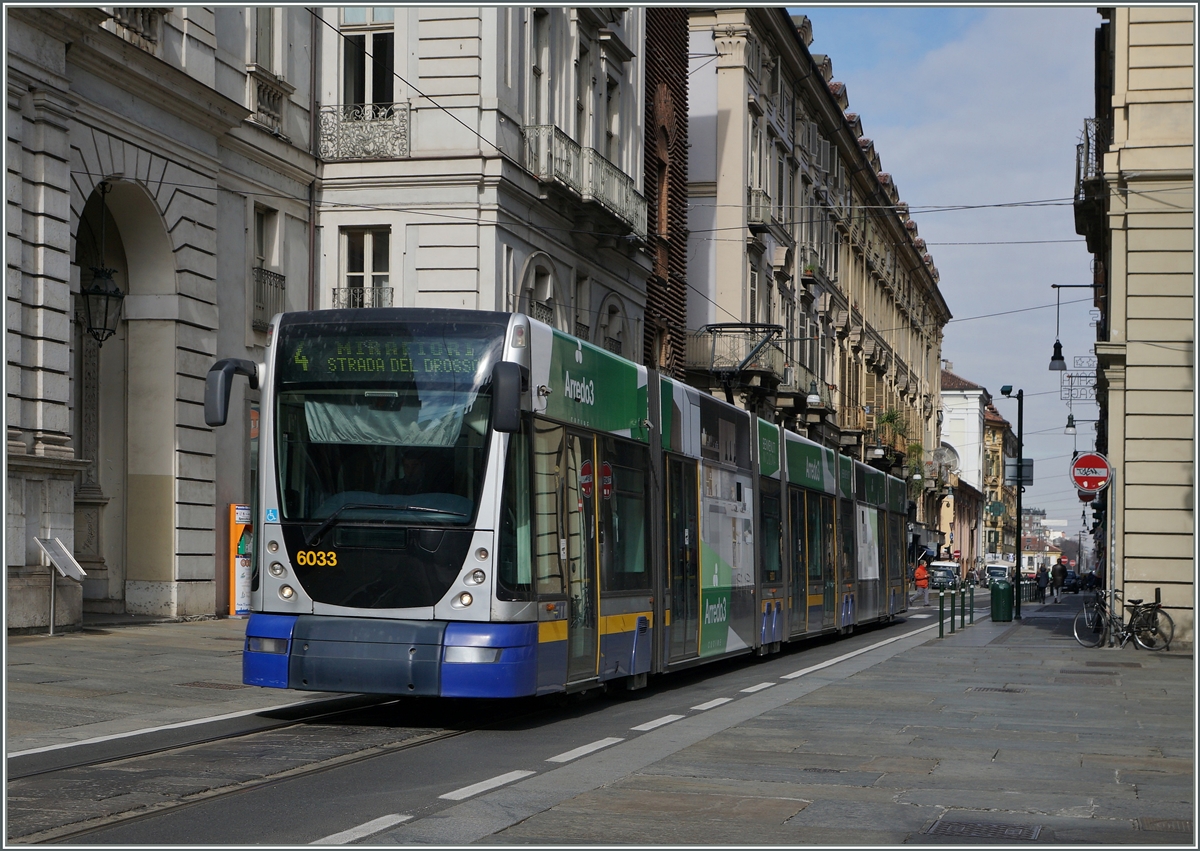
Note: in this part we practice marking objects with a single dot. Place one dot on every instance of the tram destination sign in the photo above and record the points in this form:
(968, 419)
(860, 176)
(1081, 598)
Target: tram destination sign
(414, 353)
(1091, 472)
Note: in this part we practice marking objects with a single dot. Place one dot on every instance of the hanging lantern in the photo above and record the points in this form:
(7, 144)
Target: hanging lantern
(102, 298)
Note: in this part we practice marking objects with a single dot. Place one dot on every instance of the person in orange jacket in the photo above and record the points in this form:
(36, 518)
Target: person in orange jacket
(921, 581)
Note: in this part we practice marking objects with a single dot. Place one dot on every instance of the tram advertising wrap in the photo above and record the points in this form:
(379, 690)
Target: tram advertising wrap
(472, 504)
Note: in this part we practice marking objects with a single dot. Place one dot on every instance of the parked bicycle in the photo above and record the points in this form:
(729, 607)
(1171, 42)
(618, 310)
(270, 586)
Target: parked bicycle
(1149, 625)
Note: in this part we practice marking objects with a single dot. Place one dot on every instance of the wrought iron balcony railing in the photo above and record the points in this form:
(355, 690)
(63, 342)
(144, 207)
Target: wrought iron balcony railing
(1089, 155)
(355, 297)
(614, 190)
(364, 131)
(269, 291)
(551, 155)
(722, 349)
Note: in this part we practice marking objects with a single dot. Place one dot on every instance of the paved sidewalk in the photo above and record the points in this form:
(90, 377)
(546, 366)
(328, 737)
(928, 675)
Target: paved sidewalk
(1002, 733)
(125, 675)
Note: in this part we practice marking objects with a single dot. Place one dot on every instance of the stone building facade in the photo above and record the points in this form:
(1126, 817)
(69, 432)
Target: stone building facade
(1135, 203)
(1000, 524)
(487, 158)
(226, 163)
(798, 234)
(145, 142)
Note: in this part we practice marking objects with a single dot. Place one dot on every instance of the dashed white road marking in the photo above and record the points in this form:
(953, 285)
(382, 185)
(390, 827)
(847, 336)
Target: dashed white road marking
(758, 687)
(484, 785)
(373, 826)
(919, 617)
(713, 703)
(853, 653)
(657, 722)
(584, 750)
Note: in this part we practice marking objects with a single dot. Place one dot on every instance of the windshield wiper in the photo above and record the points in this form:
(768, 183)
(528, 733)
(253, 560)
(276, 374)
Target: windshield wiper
(309, 540)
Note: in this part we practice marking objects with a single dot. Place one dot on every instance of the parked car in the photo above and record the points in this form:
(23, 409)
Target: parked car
(943, 575)
(997, 571)
(1072, 583)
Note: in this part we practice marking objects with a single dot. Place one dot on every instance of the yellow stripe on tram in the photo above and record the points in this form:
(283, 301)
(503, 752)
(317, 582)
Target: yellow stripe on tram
(552, 631)
(816, 599)
(623, 623)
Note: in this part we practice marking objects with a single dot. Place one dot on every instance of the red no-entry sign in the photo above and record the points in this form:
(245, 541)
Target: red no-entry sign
(1091, 472)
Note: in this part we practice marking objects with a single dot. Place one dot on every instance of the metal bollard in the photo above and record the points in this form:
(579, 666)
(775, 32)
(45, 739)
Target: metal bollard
(951, 612)
(972, 604)
(941, 614)
(962, 607)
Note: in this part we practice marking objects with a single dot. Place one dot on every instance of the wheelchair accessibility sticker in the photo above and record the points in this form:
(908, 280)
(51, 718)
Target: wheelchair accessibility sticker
(272, 515)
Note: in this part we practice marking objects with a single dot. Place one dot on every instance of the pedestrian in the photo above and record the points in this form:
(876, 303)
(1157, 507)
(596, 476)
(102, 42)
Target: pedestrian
(1043, 579)
(1058, 579)
(921, 581)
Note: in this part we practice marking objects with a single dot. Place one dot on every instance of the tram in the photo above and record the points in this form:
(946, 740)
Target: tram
(473, 504)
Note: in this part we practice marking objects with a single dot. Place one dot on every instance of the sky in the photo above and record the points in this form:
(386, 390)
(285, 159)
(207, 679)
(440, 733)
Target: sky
(984, 106)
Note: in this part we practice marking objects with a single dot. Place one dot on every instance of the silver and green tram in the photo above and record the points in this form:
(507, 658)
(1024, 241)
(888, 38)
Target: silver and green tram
(472, 504)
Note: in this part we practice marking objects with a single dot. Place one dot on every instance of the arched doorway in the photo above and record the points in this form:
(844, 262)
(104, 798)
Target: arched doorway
(125, 409)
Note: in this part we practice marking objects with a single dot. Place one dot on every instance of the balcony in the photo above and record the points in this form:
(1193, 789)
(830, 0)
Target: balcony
(736, 353)
(269, 291)
(356, 297)
(364, 131)
(758, 209)
(554, 157)
(268, 94)
(1090, 193)
(140, 26)
(613, 190)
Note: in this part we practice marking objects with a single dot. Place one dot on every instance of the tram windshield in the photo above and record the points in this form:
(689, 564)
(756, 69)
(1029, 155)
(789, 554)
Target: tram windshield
(383, 423)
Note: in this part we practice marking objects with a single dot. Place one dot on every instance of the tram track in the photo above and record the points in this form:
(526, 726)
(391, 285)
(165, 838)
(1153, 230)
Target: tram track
(136, 776)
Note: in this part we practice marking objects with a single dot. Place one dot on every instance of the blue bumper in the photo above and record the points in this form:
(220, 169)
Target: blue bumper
(364, 655)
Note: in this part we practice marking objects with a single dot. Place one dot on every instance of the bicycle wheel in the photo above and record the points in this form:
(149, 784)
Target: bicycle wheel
(1153, 629)
(1090, 626)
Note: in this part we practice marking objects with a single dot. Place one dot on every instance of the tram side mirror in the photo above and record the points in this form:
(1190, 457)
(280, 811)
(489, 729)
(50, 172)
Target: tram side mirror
(506, 397)
(218, 383)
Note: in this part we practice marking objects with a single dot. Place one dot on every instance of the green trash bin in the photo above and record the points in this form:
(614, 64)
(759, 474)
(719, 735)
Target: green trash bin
(1002, 600)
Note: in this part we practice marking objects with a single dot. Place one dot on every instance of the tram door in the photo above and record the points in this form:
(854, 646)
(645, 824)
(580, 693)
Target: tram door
(683, 555)
(798, 621)
(583, 633)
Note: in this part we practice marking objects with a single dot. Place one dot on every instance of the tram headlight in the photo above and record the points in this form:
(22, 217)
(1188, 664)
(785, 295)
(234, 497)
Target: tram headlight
(463, 600)
(481, 554)
(266, 645)
(476, 655)
(287, 592)
(476, 577)
(277, 569)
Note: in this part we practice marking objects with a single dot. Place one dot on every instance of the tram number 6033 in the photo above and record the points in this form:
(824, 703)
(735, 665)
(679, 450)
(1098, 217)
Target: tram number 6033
(317, 558)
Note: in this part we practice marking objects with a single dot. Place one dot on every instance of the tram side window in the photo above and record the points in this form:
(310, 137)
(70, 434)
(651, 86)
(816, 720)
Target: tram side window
(550, 546)
(771, 529)
(816, 532)
(847, 521)
(514, 580)
(624, 518)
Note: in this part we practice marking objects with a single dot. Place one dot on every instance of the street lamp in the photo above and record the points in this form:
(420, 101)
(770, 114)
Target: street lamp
(1070, 429)
(1006, 391)
(102, 298)
(814, 398)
